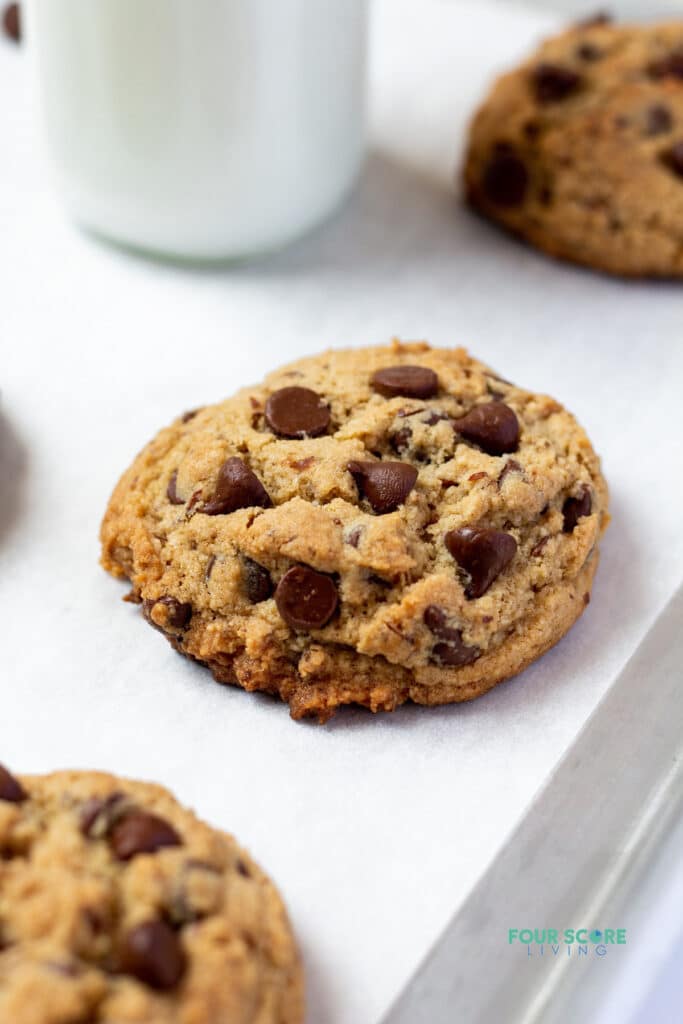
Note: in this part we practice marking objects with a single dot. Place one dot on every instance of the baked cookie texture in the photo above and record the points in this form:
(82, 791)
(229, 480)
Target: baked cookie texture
(580, 150)
(436, 535)
(117, 905)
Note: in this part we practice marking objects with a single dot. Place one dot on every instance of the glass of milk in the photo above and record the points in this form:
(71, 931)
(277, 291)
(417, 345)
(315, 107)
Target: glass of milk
(202, 129)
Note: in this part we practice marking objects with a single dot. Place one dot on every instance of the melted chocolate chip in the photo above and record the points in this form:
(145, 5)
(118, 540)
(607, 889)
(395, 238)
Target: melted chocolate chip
(407, 381)
(386, 485)
(505, 178)
(306, 599)
(11, 22)
(450, 650)
(552, 83)
(670, 66)
(493, 426)
(482, 553)
(658, 120)
(236, 487)
(673, 159)
(297, 412)
(189, 415)
(258, 585)
(11, 790)
(175, 614)
(171, 492)
(575, 509)
(152, 953)
(140, 832)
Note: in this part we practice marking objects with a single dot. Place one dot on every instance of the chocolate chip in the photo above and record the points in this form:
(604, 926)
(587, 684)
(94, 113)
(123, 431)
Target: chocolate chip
(505, 179)
(140, 832)
(435, 416)
(482, 553)
(658, 120)
(450, 650)
(511, 466)
(408, 381)
(195, 892)
(189, 415)
(306, 599)
(11, 790)
(493, 426)
(588, 52)
(400, 441)
(593, 20)
(171, 492)
(99, 814)
(257, 582)
(11, 22)
(152, 953)
(552, 83)
(297, 413)
(575, 509)
(353, 536)
(386, 485)
(670, 66)
(236, 487)
(174, 614)
(673, 159)
(537, 549)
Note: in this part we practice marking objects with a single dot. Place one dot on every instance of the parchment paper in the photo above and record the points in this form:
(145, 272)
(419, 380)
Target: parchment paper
(374, 827)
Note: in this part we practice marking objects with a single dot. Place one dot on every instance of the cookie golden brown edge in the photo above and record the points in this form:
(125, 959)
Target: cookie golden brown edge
(365, 526)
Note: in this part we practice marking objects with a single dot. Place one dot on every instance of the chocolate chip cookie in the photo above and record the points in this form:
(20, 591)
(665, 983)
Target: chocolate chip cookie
(118, 906)
(366, 526)
(580, 150)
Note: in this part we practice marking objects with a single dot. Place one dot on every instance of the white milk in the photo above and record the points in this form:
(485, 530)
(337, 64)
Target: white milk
(203, 129)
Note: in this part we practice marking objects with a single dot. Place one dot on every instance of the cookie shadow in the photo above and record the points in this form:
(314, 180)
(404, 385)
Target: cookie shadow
(13, 469)
(576, 665)
(408, 221)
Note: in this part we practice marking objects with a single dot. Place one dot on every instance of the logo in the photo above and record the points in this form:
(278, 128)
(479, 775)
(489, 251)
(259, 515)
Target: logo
(554, 942)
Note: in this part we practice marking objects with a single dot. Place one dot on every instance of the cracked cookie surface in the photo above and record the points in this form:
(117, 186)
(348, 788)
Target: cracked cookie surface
(118, 906)
(436, 535)
(580, 150)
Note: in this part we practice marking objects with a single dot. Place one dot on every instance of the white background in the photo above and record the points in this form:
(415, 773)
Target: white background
(374, 828)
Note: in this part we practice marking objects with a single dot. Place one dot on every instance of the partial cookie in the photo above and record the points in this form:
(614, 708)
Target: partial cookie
(365, 526)
(580, 150)
(118, 906)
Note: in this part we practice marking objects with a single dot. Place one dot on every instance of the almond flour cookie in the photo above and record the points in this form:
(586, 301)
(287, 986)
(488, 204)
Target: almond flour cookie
(365, 526)
(580, 150)
(118, 906)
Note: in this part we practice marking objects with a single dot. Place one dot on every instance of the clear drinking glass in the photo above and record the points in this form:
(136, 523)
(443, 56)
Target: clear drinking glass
(202, 129)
